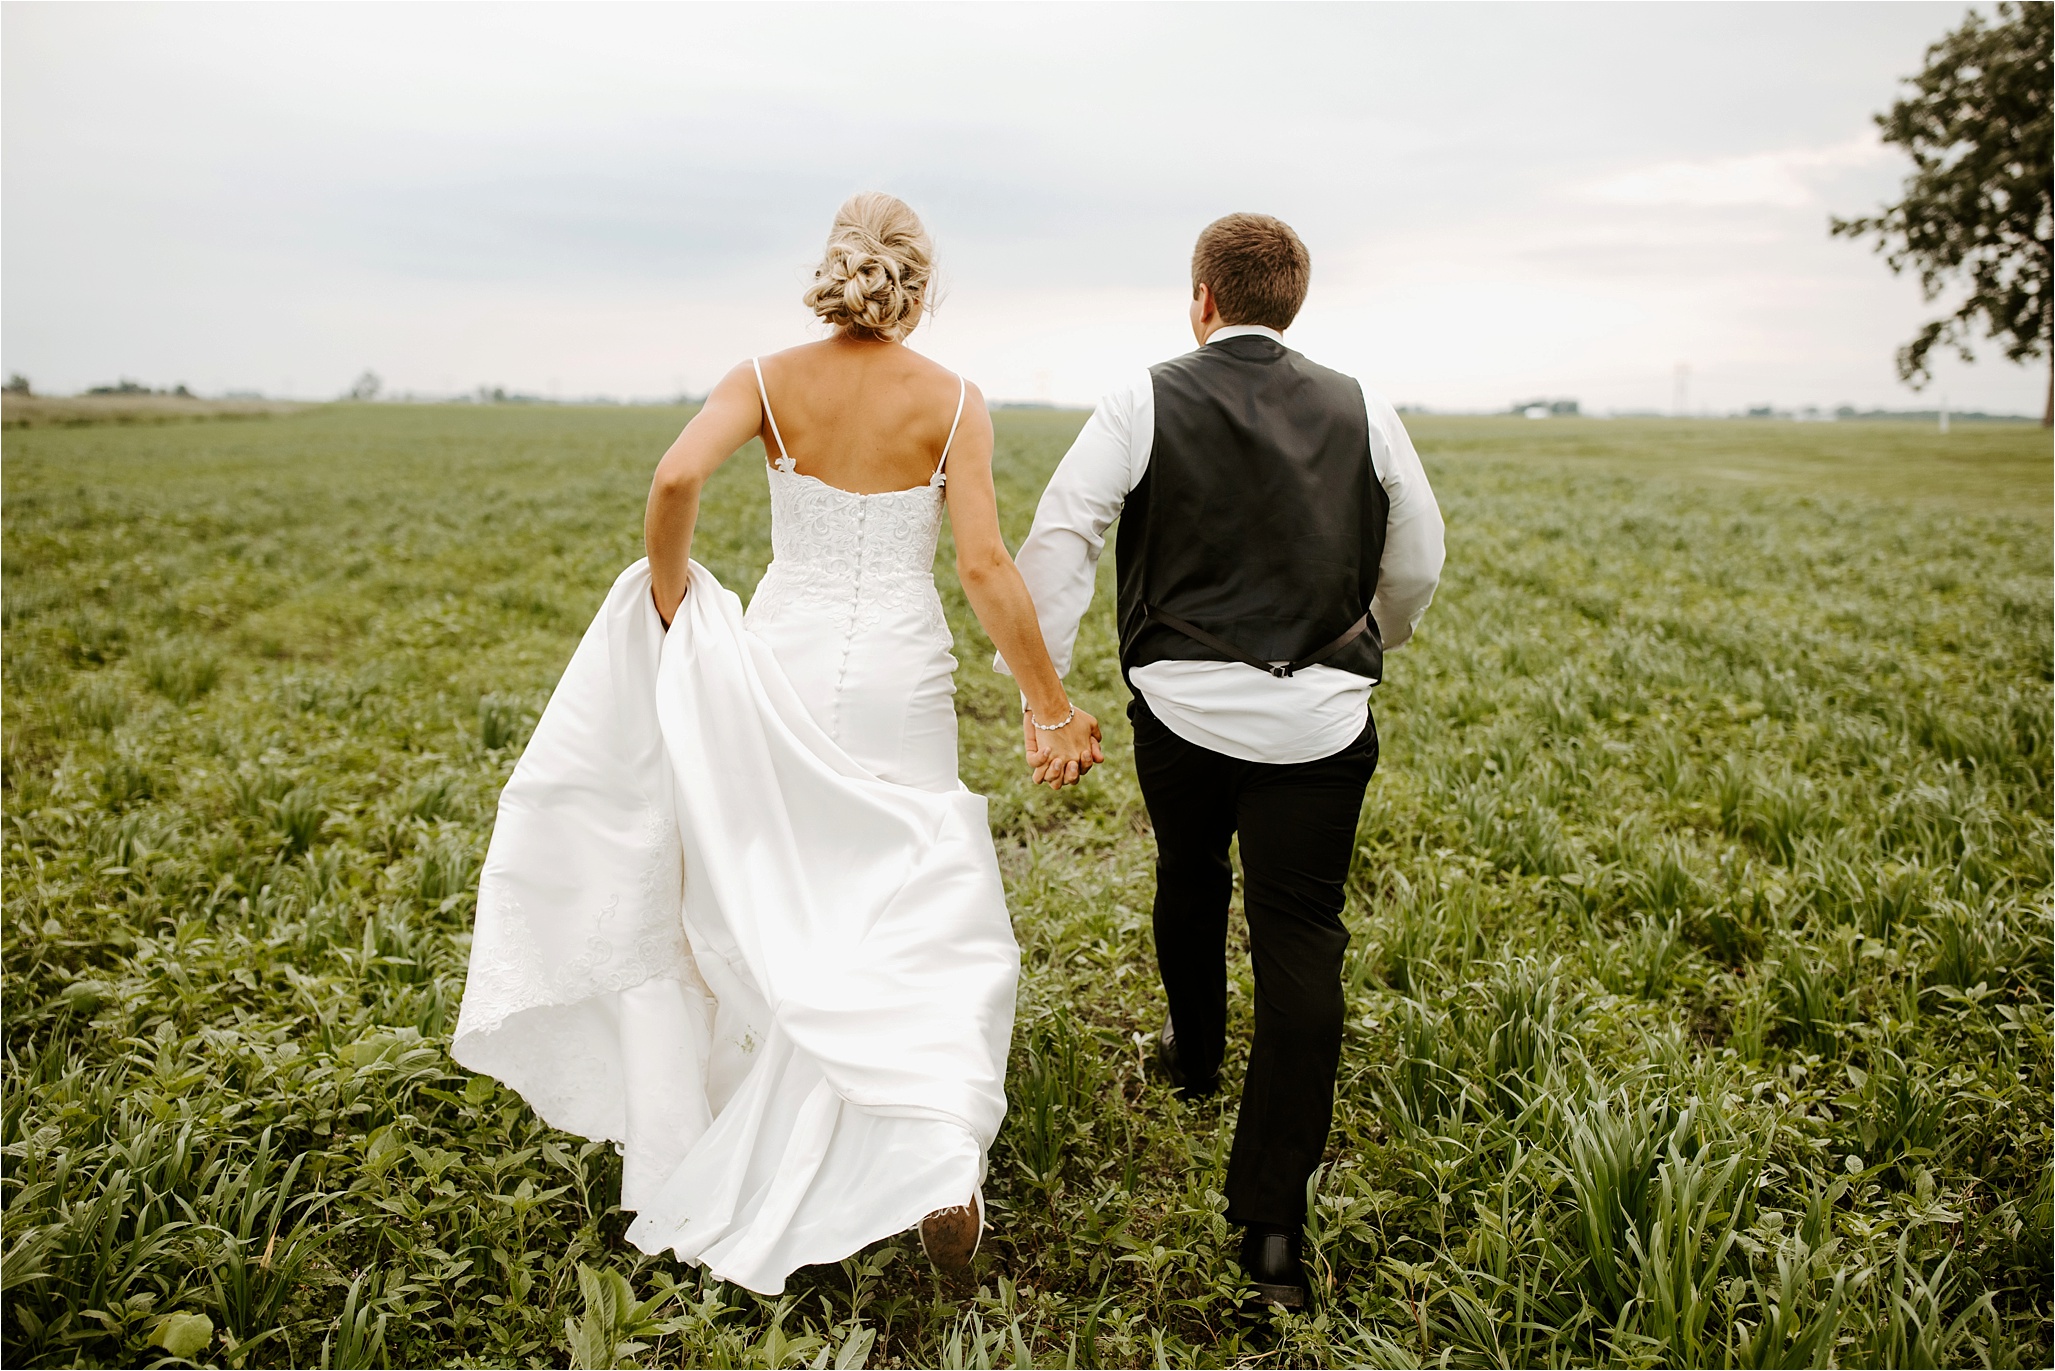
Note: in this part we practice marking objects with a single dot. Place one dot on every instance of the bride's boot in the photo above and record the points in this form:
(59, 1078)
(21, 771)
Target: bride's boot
(950, 1236)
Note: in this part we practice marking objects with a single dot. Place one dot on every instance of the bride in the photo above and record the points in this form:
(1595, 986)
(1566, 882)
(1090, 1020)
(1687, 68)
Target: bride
(739, 916)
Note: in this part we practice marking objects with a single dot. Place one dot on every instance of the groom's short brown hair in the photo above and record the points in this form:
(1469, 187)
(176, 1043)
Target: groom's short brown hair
(1257, 267)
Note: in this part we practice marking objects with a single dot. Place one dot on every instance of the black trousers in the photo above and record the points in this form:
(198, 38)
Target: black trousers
(1298, 831)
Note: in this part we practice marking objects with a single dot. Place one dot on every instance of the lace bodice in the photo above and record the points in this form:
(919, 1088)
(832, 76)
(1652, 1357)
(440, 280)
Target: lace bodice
(881, 537)
(856, 557)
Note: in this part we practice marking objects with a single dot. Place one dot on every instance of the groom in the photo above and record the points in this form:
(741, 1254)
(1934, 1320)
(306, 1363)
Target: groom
(1277, 536)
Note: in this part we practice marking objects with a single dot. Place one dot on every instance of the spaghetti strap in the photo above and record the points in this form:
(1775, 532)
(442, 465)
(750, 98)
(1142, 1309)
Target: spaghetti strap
(785, 462)
(962, 389)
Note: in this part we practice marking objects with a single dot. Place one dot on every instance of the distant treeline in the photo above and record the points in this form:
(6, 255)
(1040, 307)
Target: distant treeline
(1964, 416)
(1571, 409)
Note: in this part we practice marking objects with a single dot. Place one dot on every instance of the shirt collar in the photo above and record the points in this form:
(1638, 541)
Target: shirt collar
(1221, 335)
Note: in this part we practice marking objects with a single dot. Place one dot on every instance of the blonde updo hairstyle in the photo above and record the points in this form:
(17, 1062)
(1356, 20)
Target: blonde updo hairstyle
(873, 279)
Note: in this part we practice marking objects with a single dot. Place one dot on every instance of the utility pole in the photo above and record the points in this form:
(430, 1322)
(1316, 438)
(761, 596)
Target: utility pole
(1682, 402)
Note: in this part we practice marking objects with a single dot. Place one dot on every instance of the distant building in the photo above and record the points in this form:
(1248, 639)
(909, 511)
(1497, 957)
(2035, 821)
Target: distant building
(1805, 414)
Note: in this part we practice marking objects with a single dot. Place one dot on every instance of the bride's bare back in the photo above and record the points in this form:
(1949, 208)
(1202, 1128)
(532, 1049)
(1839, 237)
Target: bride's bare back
(861, 415)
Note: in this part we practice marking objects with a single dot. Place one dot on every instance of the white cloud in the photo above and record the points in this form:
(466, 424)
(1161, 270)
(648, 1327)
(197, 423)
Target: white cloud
(1788, 179)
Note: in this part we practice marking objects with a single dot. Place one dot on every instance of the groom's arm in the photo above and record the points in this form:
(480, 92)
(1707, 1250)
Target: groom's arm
(1413, 552)
(1060, 559)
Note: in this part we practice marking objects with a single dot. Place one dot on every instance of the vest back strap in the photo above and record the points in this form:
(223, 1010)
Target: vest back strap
(1281, 670)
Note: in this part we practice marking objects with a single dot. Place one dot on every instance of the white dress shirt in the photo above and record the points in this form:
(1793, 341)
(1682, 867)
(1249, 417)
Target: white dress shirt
(1229, 707)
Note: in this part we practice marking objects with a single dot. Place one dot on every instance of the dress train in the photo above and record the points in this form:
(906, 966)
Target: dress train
(782, 985)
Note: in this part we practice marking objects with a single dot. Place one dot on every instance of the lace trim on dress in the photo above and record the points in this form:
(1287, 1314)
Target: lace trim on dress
(511, 974)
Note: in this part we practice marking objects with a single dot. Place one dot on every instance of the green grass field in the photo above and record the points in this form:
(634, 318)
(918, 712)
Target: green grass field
(1700, 987)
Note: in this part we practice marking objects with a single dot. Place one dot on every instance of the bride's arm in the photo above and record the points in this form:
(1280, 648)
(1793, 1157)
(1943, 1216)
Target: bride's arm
(1000, 599)
(731, 416)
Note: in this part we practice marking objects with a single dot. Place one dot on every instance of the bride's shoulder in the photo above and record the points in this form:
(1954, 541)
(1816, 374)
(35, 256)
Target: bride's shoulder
(804, 355)
(819, 347)
(933, 375)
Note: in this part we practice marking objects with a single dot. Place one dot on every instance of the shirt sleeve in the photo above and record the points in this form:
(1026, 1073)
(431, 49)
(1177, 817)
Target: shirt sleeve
(1413, 550)
(1060, 559)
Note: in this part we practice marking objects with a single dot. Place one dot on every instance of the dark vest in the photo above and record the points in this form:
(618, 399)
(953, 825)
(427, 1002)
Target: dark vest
(1260, 520)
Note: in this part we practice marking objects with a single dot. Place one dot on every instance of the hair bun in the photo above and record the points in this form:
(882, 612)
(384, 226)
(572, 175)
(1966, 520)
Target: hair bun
(873, 278)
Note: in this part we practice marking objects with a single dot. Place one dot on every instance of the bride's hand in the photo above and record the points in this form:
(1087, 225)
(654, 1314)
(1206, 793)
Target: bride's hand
(1062, 756)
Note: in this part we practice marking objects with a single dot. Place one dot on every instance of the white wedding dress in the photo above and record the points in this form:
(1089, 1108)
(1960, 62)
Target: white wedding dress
(739, 915)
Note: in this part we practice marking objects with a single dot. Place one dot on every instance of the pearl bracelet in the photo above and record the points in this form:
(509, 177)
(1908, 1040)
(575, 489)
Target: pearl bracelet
(1051, 728)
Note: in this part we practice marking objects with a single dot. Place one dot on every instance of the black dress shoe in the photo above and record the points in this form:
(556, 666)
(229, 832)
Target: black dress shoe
(1270, 1258)
(1166, 1058)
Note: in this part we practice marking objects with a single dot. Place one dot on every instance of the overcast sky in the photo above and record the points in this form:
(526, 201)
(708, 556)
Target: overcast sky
(1502, 201)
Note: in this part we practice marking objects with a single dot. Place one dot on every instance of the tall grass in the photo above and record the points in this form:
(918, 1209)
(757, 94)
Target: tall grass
(1699, 990)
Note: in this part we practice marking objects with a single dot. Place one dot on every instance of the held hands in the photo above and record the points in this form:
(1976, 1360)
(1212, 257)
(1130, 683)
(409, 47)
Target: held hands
(1061, 756)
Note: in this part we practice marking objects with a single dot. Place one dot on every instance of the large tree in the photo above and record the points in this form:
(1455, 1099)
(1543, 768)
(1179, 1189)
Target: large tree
(1975, 211)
